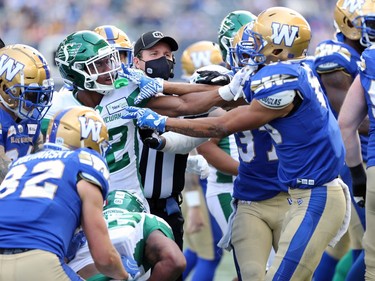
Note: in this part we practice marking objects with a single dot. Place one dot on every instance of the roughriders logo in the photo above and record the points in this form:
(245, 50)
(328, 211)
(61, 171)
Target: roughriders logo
(69, 52)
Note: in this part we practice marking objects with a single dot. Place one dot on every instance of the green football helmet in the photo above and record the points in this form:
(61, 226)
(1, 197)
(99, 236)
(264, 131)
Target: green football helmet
(228, 28)
(83, 56)
(121, 201)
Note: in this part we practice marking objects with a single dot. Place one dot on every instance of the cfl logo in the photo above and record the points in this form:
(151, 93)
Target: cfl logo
(158, 34)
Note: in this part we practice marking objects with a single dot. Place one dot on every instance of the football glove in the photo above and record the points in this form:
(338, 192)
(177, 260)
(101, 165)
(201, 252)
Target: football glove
(78, 240)
(146, 118)
(148, 86)
(131, 267)
(151, 138)
(213, 78)
(234, 89)
(197, 164)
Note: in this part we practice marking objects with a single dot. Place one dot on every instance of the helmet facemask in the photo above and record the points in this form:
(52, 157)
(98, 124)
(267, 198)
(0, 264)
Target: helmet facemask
(106, 64)
(367, 26)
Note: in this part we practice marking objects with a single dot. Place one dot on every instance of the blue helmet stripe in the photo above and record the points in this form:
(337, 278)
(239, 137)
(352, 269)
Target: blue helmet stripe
(55, 125)
(110, 36)
(45, 66)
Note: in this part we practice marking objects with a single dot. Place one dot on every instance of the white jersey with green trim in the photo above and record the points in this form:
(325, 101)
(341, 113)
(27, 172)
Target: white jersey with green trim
(128, 232)
(122, 158)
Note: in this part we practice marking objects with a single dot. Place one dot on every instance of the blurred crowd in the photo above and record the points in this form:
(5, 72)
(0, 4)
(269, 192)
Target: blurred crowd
(43, 23)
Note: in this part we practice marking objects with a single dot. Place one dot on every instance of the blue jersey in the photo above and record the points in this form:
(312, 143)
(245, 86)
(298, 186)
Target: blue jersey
(308, 141)
(367, 76)
(18, 139)
(257, 173)
(333, 55)
(40, 207)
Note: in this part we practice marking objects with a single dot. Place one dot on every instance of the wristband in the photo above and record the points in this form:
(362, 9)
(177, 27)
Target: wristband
(192, 198)
(226, 93)
(357, 171)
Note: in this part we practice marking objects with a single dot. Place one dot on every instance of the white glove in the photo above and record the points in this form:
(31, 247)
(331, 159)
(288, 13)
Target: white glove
(197, 164)
(234, 89)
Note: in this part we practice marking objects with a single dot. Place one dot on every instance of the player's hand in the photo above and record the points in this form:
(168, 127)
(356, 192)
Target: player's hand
(234, 89)
(78, 240)
(146, 118)
(148, 86)
(131, 267)
(197, 164)
(152, 139)
(212, 77)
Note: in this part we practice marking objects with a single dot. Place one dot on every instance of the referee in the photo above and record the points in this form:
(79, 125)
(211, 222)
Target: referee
(163, 174)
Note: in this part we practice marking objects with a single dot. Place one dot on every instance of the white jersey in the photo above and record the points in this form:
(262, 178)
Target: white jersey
(122, 158)
(217, 182)
(128, 232)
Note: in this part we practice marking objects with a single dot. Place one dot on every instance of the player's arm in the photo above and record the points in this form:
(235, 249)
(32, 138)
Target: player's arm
(189, 104)
(4, 163)
(214, 155)
(353, 112)
(242, 118)
(106, 258)
(217, 157)
(180, 88)
(38, 145)
(165, 256)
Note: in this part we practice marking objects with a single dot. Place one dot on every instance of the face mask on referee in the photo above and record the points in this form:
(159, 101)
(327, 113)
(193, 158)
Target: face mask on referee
(160, 68)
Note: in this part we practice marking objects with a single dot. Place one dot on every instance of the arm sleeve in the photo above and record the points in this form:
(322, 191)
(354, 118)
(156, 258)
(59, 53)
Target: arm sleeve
(180, 144)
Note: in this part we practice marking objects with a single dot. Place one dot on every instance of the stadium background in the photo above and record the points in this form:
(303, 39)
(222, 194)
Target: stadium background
(44, 23)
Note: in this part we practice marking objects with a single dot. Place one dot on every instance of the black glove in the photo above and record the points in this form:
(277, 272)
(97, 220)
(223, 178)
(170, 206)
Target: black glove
(213, 78)
(359, 184)
(151, 139)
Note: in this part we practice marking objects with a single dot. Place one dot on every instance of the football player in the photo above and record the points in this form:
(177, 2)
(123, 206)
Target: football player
(337, 64)
(119, 40)
(357, 104)
(146, 238)
(229, 26)
(52, 193)
(202, 253)
(285, 97)
(89, 65)
(25, 96)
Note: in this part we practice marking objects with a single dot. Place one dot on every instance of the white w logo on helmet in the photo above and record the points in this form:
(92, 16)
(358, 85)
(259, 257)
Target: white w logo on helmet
(90, 126)
(201, 58)
(285, 32)
(10, 66)
(353, 5)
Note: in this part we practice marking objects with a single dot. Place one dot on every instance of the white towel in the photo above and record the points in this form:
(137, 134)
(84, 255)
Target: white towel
(225, 241)
(345, 224)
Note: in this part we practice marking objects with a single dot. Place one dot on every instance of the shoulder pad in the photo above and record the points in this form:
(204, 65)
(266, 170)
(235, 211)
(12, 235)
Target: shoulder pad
(94, 169)
(279, 100)
(333, 56)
